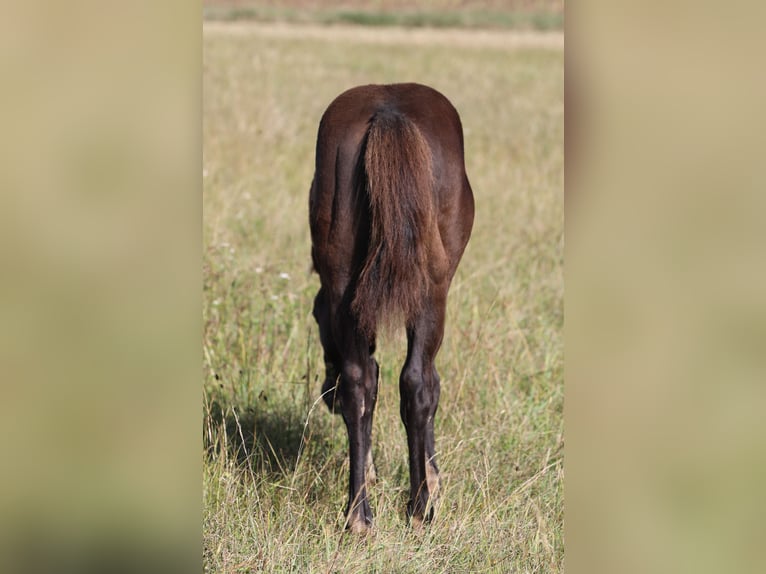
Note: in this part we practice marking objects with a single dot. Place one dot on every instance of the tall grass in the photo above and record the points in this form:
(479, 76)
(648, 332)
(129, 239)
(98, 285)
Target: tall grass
(275, 468)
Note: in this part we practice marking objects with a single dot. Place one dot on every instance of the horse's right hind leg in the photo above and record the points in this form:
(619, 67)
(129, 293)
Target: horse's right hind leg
(419, 388)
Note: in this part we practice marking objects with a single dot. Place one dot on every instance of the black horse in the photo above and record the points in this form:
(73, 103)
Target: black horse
(391, 211)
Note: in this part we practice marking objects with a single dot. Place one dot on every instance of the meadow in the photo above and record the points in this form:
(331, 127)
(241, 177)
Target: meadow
(516, 14)
(275, 460)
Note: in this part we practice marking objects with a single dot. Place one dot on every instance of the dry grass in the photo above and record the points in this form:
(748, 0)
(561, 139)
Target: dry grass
(275, 469)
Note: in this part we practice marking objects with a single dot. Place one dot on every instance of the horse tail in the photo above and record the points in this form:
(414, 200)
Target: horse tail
(394, 280)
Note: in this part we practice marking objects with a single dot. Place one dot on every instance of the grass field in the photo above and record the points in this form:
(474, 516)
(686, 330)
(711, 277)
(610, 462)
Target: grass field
(515, 14)
(275, 468)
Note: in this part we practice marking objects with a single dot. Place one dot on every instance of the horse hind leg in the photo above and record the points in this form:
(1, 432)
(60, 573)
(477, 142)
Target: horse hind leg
(358, 390)
(432, 470)
(330, 387)
(419, 388)
(350, 389)
(370, 472)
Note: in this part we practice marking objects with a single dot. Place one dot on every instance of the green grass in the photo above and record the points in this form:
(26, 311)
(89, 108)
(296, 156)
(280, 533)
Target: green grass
(275, 468)
(536, 19)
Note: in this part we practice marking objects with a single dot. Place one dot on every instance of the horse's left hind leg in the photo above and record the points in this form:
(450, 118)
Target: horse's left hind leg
(419, 387)
(350, 389)
(358, 389)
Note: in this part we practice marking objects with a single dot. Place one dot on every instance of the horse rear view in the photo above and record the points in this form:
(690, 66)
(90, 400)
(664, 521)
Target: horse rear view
(390, 211)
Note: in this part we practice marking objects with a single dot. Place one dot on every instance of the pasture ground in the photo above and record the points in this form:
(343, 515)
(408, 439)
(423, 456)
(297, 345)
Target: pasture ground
(275, 468)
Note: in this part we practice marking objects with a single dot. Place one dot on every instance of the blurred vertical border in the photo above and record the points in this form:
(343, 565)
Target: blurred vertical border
(100, 250)
(665, 288)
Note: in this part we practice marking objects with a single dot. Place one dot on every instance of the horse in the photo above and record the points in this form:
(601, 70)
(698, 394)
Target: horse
(390, 213)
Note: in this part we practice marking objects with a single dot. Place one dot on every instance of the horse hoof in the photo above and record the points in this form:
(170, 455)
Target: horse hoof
(419, 520)
(358, 526)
